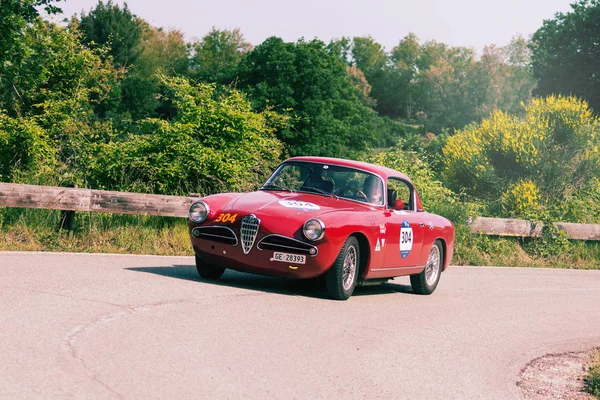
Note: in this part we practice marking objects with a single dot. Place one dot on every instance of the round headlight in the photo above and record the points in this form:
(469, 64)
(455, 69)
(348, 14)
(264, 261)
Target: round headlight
(199, 211)
(314, 229)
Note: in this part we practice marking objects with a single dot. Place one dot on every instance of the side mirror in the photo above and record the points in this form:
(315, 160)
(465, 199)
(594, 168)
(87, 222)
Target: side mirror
(399, 205)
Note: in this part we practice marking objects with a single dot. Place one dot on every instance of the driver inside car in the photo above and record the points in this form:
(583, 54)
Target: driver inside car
(373, 189)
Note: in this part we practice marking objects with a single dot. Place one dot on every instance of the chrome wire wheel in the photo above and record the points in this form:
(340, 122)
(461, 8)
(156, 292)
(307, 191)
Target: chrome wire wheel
(343, 275)
(349, 270)
(432, 268)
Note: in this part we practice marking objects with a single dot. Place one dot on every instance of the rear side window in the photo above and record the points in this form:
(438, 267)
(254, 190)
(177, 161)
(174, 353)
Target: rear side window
(403, 192)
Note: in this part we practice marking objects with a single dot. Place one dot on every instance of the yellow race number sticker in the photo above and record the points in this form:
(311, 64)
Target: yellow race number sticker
(226, 218)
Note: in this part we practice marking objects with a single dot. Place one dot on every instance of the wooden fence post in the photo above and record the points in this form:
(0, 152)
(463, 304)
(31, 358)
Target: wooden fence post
(67, 218)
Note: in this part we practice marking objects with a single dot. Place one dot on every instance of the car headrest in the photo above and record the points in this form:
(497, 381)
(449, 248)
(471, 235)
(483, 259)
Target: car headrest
(391, 194)
(327, 185)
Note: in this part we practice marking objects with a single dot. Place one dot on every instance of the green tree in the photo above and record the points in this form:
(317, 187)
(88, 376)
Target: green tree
(17, 20)
(445, 85)
(368, 55)
(520, 83)
(126, 36)
(307, 82)
(15, 16)
(386, 87)
(59, 83)
(116, 27)
(566, 53)
(162, 52)
(216, 56)
(405, 57)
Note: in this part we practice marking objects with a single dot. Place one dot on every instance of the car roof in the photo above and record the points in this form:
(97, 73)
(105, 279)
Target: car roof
(375, 169)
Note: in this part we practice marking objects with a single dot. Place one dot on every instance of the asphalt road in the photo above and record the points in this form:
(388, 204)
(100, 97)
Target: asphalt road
(106, 326)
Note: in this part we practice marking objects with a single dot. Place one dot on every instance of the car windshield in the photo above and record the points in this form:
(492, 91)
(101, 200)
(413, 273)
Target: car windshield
(327, 180)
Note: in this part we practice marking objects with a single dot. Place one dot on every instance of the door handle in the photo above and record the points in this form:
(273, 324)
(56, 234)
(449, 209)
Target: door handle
(422, 224)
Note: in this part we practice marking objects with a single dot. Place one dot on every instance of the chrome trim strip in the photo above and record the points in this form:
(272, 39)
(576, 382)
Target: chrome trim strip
(391, 269)
(200, 228)
(288, 238)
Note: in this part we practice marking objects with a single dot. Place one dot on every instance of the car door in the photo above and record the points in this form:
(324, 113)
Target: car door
(404, 228)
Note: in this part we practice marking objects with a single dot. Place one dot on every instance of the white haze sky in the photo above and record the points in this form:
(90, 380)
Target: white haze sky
(469, 23)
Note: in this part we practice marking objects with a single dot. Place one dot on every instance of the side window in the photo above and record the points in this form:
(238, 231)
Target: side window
(402, 191)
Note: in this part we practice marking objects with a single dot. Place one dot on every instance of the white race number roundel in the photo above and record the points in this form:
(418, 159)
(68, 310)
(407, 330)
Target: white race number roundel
(406, 239)
(299, 205)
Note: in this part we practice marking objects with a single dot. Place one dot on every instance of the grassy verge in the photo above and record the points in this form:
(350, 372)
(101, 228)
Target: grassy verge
(516, 252)
(592, 378)
(36, 230)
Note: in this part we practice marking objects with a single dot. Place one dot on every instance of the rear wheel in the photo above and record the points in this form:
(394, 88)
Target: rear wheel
(427, 281)
(208, 271)
(342, 277)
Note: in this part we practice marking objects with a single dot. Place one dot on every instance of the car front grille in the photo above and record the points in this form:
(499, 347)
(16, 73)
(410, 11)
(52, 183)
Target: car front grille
(286, 244)
(248, 232)
(220, 234)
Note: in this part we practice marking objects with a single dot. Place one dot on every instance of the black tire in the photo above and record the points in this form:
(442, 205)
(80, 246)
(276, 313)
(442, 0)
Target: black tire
(425, 282)
(208, 271)
(341, 278)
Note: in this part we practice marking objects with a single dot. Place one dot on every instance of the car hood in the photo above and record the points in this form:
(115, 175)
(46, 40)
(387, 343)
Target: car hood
(287, 205)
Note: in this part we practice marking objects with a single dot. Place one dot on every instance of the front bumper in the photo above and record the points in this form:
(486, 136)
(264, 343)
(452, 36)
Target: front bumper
(222, 246)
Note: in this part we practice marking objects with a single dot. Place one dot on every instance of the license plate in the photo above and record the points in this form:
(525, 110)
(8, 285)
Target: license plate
(289, 258)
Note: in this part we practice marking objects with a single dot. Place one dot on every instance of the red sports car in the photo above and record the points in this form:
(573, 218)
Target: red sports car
(353, 222)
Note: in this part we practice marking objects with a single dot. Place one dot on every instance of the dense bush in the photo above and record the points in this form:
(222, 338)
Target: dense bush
(24, 148)
(531, 166)
(212, 144)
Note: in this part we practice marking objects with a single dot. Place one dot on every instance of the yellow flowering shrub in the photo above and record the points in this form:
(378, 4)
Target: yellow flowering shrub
(522, 200)
(552, 152)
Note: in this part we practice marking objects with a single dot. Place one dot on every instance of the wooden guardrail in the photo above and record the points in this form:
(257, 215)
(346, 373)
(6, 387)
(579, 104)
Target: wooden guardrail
(524, 228)
(75, 199)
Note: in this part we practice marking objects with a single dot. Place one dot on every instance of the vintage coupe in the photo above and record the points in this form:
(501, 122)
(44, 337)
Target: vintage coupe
(351, 222)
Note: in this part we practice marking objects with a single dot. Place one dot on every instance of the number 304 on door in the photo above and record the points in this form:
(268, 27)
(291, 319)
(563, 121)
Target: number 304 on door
(406, 239)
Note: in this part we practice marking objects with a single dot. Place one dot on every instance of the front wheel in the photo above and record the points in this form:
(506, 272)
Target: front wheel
(208, 271)
(428, 279)
(342, 277)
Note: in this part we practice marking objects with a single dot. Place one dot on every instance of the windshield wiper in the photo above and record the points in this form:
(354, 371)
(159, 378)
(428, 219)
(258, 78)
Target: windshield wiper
(317, 190)
(272, 186)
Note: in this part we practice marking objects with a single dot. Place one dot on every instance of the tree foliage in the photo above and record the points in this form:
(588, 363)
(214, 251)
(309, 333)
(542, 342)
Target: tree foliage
(213, 144)
(216, 57)
(115, 27)
(304, 80)
(566, 53)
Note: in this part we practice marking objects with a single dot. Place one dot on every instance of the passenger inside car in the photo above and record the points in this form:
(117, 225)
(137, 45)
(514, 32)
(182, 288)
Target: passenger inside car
(373, 189)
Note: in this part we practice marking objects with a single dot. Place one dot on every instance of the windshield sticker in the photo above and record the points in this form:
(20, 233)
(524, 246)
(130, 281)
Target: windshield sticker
(406, 239)
(299, 205)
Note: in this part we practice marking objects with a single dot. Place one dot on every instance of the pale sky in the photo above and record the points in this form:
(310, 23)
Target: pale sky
(469, 23)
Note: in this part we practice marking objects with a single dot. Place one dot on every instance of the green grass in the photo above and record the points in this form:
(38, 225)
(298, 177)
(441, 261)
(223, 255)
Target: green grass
(37, 230)
(473, 249)
(592, 378)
